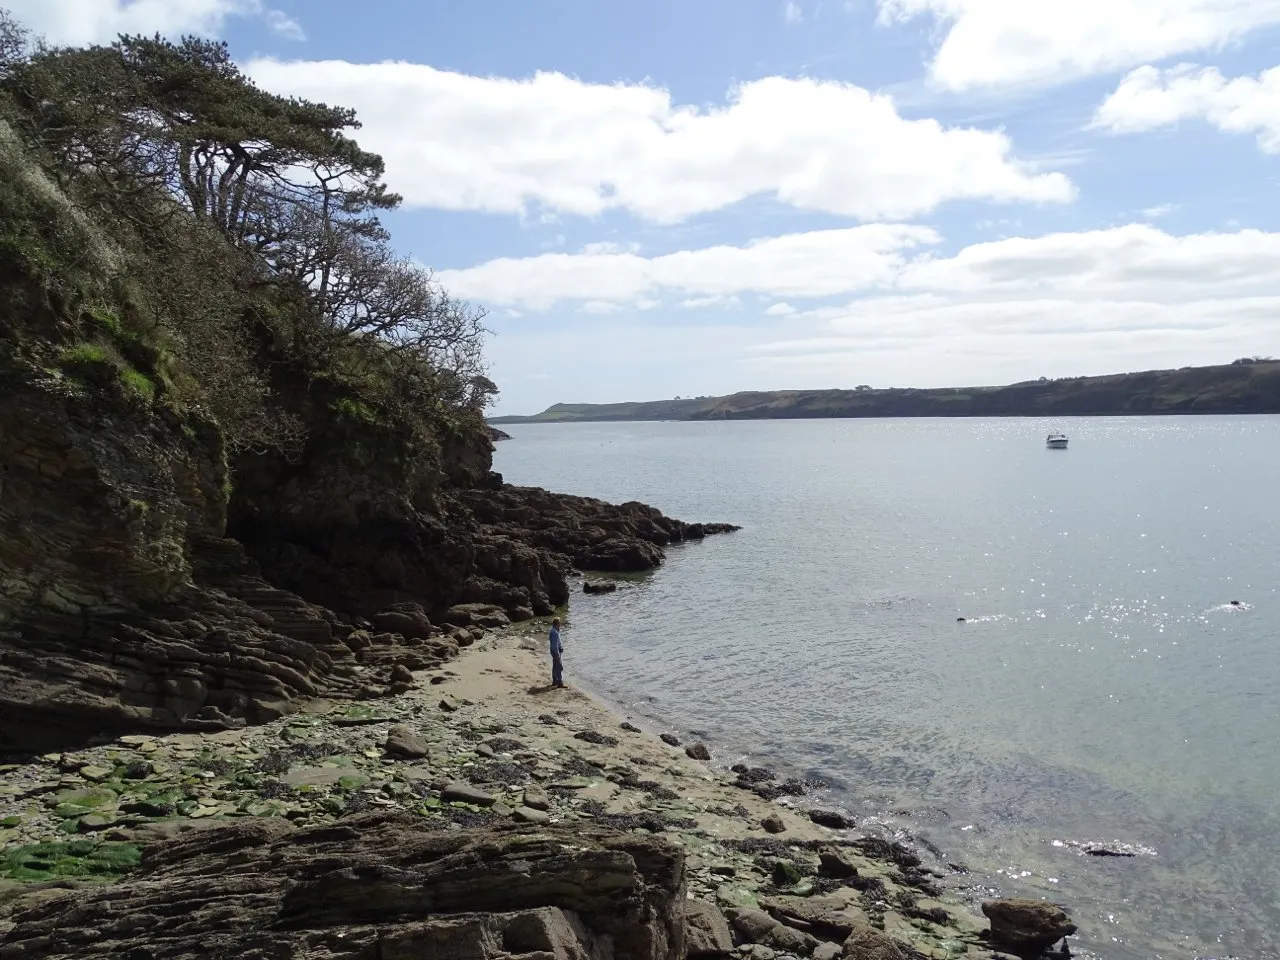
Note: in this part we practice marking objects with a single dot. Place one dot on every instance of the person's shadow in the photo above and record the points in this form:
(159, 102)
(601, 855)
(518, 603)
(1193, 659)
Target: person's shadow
(537, 688)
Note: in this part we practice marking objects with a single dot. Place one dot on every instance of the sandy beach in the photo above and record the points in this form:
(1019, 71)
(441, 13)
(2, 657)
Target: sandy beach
(481, 738)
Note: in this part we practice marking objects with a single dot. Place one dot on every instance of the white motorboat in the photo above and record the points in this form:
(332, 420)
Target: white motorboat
(1056, 441)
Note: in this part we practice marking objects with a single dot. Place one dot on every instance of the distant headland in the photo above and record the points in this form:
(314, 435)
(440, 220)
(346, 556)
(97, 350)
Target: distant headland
(1249, 385)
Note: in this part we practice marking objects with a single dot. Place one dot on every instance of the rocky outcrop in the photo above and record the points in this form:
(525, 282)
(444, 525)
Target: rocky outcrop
(377, 885)
(122, 604)
(590, 534)
(1027, 926)
(147, 585)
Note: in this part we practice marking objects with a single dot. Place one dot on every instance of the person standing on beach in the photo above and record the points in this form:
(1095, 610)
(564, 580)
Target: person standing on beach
(557, 648)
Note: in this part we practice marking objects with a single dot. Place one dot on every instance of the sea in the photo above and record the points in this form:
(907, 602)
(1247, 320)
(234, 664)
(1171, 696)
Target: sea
(1010, 654)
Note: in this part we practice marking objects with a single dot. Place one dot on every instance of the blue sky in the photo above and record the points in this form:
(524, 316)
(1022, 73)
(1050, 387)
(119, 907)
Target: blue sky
(693, 198)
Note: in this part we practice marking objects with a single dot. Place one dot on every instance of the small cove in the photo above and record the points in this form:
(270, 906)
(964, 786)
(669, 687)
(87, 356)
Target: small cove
(1099, 689)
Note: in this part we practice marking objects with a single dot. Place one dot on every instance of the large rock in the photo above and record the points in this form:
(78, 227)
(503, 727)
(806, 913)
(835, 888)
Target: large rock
(407, 619)
(378, 885)
(707, 932)
(868, 943)
(1027, 926)
(828, 917)
(591, 534)
(404, 744)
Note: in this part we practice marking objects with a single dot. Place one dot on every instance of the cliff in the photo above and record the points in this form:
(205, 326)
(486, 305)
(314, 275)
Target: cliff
(227, 484)
(1246, 386)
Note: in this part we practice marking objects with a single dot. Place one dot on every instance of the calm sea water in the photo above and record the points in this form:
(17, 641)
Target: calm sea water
(1101, 688)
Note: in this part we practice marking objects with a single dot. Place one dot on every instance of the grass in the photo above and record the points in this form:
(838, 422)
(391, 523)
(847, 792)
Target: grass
(83, 355)
(139, 384)
(86, 356)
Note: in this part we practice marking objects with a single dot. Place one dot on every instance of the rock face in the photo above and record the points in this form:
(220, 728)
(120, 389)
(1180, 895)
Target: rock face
(148, 584)
(1027, 926)
(377, 885)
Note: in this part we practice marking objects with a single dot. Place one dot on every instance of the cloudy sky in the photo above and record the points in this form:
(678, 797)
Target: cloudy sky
(688, 197)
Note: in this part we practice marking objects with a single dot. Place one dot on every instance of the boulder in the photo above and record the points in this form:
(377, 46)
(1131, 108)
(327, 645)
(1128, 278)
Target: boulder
(752, 926)
(483, 615)
(536, 798)
(697, 751)
(670, 739)
(459, 792)
(831, 818)
(1027, 926)
(868, 943)
(404, 744)
(773, 824)
(599, 586)
(792, 941)
(836, 863)
(827, 917)
(376, 885)
(707, 933)
(407, 619)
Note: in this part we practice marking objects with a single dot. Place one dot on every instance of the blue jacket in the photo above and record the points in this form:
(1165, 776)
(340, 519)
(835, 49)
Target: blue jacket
(556, 647)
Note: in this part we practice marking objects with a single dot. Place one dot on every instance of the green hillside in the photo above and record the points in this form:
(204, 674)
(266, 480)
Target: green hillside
(1245, 386)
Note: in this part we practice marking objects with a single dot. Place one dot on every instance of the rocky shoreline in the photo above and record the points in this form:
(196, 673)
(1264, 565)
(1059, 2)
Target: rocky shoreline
(477, 763)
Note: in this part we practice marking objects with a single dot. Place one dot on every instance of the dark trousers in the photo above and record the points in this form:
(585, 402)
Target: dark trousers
(557, 670)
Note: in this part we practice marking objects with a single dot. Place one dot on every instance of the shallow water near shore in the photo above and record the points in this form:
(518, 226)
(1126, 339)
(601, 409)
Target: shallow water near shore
(1101, 687)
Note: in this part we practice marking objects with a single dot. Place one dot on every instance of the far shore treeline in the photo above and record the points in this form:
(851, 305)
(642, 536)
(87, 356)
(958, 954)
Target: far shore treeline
(1248, 385)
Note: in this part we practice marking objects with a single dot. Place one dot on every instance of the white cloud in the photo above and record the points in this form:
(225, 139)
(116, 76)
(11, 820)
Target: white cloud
(791, 12)
(500, 145)
(78, 22)
(608, 246)
(715, 301)
(780, 310)
(997, 42)
(1063, 304)
(1160, 210)
(285, 26)
(815, 264)
(1149, 98)
(1134, 261)
(1137, 261)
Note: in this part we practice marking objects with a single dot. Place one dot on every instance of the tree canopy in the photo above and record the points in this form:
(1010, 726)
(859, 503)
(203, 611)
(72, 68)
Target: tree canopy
(255, 221)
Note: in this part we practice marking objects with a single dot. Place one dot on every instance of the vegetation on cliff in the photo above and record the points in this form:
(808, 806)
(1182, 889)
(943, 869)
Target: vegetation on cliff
(1250, 385)
(217, 247)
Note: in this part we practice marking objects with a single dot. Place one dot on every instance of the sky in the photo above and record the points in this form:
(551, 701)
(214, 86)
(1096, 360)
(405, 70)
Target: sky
(694, 197)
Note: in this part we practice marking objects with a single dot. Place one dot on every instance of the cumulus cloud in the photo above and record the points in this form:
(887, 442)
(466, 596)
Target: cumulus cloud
(1149, 98)
(814, 264)
(460, 142)
(1137, 260)
(997, 42)
(78, 22)
(1056, 305)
